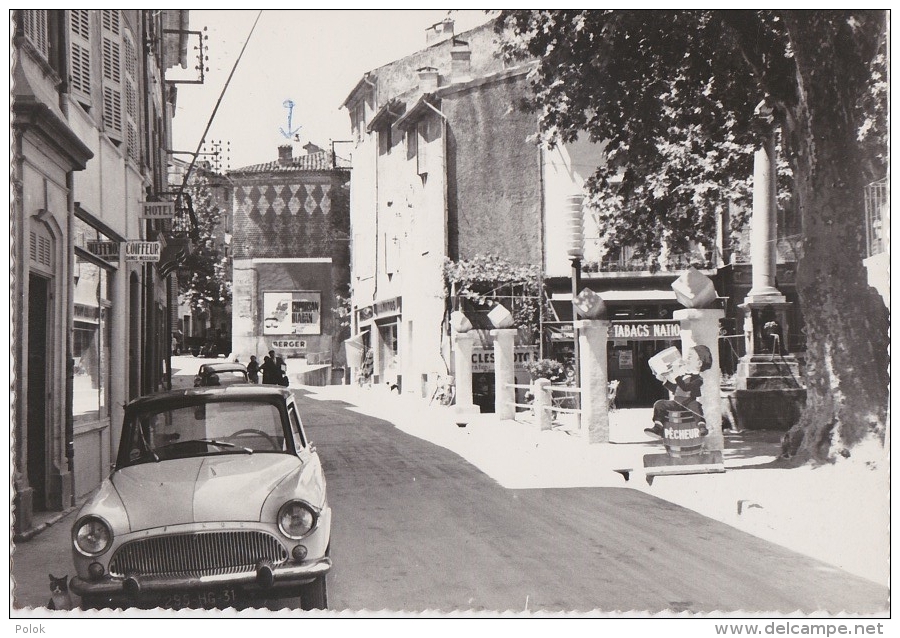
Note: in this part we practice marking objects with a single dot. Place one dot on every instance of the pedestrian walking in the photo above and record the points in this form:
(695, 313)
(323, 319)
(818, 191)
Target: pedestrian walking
(270, 371)
(253, 369)
(282, 372)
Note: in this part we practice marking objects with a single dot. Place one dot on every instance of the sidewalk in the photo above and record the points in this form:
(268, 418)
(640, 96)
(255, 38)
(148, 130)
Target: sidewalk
(838, 514)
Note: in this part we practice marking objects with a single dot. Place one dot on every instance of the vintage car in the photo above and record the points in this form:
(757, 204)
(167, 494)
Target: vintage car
(217, 500)
(211, 374)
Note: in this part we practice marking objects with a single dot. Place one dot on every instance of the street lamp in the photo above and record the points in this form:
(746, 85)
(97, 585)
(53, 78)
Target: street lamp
(575, 226)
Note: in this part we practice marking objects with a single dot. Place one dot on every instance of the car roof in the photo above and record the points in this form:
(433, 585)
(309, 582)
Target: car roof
(236, 391)
(224, 367)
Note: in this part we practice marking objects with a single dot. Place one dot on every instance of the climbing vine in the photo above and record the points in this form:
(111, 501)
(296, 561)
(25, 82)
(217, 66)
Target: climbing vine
(487, 280)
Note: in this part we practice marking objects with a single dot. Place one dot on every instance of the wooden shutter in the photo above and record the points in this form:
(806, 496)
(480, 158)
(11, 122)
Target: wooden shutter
(80, 54)
(34, 25)
(111, 48)
(131, 99)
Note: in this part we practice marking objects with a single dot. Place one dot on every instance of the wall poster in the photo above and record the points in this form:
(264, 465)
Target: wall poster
(292, 313)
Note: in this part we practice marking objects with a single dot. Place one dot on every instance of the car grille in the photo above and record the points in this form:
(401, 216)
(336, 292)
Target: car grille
(203, 553)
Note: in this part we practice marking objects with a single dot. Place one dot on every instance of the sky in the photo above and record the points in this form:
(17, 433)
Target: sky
(312, 58)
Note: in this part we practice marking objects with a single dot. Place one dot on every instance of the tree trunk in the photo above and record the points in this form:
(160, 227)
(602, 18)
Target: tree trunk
(846, 320)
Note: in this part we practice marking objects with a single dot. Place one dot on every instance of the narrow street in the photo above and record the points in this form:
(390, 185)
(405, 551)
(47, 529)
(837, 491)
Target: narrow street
(417, 528)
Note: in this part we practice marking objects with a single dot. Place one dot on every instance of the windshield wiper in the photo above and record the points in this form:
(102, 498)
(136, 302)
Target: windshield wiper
(224, 444)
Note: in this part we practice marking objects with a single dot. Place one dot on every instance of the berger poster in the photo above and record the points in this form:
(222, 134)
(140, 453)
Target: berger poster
(292, 313)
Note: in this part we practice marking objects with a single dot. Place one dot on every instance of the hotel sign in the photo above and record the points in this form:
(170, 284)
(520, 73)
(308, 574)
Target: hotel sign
(142, 250)
(157, 210)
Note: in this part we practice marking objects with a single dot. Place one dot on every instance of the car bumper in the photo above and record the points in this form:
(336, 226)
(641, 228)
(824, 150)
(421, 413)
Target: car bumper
(261, 579)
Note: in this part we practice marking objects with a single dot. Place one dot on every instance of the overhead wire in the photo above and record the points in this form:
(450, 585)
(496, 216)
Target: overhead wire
(212, 116)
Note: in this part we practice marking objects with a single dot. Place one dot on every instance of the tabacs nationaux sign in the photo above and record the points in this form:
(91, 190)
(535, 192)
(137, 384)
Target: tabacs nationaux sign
(645, 330)
(108, 250)
(142, 250)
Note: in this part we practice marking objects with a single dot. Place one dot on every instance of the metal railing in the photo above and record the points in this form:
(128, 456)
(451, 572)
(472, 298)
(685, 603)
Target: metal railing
(876, 197)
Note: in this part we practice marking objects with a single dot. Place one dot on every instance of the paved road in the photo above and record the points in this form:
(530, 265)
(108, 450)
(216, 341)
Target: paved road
(417, 528)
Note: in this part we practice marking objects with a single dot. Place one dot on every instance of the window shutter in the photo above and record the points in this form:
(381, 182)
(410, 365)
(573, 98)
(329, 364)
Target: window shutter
(112, 73)
(80, 54)
(34, 22)
(131, 106)
(422, 147)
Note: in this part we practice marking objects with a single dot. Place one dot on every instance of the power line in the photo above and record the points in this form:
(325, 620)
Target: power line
(187, 173)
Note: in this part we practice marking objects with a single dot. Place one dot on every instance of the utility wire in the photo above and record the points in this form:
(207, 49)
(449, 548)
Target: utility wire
(187, 174)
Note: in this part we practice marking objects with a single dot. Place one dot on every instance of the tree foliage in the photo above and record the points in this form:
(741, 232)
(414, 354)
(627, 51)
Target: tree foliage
(674, 96)
(204, 279)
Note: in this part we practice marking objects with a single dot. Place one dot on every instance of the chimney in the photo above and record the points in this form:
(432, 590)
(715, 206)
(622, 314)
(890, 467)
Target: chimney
(284, 154)
(438, 32)
(428, 79)
(460, 61)
(311, 148)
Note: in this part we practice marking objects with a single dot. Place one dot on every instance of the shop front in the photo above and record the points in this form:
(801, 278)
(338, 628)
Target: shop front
(378, 326)
(641, 325)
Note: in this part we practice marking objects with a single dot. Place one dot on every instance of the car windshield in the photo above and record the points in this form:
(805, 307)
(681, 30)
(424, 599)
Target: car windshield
(223, 427)
(225, 377)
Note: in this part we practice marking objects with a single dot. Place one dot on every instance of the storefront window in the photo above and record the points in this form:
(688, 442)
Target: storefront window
(90, 348)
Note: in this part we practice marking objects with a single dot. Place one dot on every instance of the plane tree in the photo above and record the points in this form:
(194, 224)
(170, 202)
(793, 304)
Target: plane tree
(681, 99)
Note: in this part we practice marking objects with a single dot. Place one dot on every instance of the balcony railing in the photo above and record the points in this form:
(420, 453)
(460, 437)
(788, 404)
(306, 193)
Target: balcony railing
(679, 261)
(876, 195)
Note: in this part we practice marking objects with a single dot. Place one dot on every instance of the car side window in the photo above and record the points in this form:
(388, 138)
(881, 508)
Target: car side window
(296, 429)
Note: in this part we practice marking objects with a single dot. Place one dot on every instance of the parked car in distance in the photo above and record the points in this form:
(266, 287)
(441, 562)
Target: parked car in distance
(212, 374)
(217, 500)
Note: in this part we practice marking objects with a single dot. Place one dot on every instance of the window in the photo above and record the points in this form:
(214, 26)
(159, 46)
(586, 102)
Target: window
(35, 26)
(422, 147)
(80, 55)
(111, 48)
(359, 121)
(91, 342)
(131, 104)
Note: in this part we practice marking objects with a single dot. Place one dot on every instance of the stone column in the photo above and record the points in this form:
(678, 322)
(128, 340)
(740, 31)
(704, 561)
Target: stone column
(592, 336)
(504, 372)
(464, 343)
(701, 328)
(763, 222)
(543, 399)
(118, 355)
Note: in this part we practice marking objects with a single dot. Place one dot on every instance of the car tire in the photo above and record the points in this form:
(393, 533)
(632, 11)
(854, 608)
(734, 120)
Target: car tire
(314, 595)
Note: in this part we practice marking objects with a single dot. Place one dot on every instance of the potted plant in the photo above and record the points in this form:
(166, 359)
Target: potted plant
(546, 369)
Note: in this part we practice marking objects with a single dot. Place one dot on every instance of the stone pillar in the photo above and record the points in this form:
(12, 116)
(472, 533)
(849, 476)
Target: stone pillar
(504, 372)
(763, 222)
(246, 318)
(118, 356)
(701, 328)
(543, 399)
(464, 343)
(592, 336)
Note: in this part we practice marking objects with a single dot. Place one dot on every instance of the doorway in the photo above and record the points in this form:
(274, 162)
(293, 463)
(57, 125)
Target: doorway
(38, 328)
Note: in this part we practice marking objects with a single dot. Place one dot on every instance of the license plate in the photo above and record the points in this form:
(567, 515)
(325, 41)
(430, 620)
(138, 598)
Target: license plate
(200, 599)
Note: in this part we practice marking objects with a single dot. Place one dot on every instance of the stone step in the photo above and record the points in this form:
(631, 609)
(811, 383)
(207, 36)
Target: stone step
(767, 383)
(768, 369)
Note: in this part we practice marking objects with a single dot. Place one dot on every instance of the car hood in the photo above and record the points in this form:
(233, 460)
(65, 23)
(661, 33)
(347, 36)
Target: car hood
(231, 487)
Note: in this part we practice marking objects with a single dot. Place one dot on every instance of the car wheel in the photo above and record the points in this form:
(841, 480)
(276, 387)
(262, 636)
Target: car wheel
(313, 595)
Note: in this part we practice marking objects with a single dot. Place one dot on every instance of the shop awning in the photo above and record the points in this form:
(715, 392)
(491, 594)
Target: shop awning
(623, 295)
(561, 302)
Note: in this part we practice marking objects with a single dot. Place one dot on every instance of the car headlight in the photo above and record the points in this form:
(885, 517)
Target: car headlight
(92, 536)
(296, 519)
